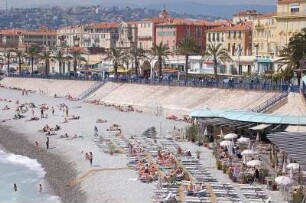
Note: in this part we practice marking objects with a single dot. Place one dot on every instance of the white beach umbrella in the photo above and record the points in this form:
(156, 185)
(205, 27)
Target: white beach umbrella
(254, 163)
(226, 143)
(284, 180)
(248, 152)
(243, 140)
(205, 133)
(221, 134)
(294, 166)
(230, 136)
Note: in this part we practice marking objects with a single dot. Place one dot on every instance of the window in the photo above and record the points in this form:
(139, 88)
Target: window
(229, 47)
(218, 37)
(209, 36)
(213, 38)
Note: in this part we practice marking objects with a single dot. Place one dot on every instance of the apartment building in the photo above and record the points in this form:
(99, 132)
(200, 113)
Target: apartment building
(265, 35)
(15, 38)
(290, 18)
(171, 33)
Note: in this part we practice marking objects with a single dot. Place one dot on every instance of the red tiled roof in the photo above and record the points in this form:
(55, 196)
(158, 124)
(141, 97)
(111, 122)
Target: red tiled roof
(289, 1)
(27, 32)
(247, 13)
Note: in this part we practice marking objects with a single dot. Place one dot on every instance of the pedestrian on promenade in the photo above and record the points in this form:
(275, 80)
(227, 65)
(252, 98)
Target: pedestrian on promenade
(37, 146)
(41, 112)
(52, 110)
(47, 143)
(96, 131)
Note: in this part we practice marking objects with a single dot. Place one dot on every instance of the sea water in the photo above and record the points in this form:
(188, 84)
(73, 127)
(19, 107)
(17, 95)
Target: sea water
(27, 174)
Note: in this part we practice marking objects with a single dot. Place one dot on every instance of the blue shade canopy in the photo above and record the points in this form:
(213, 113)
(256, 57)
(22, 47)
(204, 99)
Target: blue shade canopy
(249, 116)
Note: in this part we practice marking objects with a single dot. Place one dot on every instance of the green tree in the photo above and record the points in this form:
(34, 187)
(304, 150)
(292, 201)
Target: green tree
(126, 58)
(115, 55)
(60, 58)
(187, 47)
(19, 55)
(77, 58)
(295, 52)
(46, 57)
(161, 51)
(32, 53)
(218, 54)
(137, 54)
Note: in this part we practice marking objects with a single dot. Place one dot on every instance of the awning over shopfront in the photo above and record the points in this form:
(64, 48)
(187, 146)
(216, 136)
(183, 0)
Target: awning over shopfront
(264, 60)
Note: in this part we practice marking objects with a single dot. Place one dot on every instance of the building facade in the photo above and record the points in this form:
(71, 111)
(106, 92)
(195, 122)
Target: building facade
(264, 35)
(290, 19)
(15, 38)
(246, 15)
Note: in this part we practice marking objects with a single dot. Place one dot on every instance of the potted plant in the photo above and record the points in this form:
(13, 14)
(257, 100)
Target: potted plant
(219, 165)
(297, 196)
(224, 168)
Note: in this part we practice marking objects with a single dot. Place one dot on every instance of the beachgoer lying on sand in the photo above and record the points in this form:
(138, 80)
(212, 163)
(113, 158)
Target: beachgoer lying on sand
(50, 133)
(33, 119)
(100, 120)
(6, 108)
(57, 127)
(74, 117)
(18, 116)
(64, 136)
(76, 137)
(65, 120)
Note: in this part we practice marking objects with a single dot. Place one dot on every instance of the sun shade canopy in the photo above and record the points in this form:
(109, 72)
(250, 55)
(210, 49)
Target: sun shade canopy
(249, 116)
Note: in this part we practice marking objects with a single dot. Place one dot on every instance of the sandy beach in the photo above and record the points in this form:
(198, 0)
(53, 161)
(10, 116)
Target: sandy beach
(65, 160)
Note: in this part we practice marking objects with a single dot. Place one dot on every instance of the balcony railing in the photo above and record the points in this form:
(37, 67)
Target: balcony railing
(291, 14)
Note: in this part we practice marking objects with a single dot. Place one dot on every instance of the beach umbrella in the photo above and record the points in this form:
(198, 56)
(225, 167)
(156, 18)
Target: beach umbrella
(205, 133)
(258, 137)
(243, 140)
(248, 152)
(226, 143)
(230, 136)
(221, 134)
(254, 163)
(294, 166)
(284, 180)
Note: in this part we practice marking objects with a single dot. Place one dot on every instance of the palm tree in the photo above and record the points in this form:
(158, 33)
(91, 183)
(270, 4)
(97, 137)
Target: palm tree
(115, 55)
(19, 55)
(161, 51)
(77, 58)
(295, 52)
(137, 54)
(218, 54)
(8, 57)
(32, 52)
(60, 58)
(187, 47)
(46, 56)
(126, 58)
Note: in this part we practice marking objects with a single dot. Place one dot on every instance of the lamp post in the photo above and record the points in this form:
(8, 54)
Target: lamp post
(239, 49)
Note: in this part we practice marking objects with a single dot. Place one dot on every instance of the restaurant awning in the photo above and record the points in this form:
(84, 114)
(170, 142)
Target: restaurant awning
(249, 116)
(260, 127)
(291, 143)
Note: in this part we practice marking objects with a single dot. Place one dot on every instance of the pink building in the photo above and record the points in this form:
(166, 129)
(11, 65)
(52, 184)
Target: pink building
(172, 32)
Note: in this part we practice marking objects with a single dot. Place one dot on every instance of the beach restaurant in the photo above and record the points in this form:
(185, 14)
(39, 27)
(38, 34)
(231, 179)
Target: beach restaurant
(278, 141)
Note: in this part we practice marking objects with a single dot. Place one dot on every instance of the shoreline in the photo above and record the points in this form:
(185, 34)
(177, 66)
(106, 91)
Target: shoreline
(58, 171)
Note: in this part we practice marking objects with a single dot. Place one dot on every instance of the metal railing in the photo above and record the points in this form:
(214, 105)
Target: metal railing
(92, 89)
(270, 102)
(262, 85)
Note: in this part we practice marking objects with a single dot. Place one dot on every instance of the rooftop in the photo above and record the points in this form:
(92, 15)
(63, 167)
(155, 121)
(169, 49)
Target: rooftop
(247, 13)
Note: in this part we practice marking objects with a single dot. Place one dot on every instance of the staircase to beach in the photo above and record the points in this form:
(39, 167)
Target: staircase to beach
(91, 90)
(272, 103)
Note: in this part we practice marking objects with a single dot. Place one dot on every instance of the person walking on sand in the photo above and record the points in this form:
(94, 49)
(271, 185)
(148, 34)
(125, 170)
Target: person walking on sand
(37, 146)
(47, 143)
(41, 112)
(15, 187)
(96, 131)
(90, 158)
(52, 110)
(67, 111)
(40, 188)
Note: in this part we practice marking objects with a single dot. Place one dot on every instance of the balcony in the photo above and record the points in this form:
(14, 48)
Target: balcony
(259, 27)
(291, 15)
